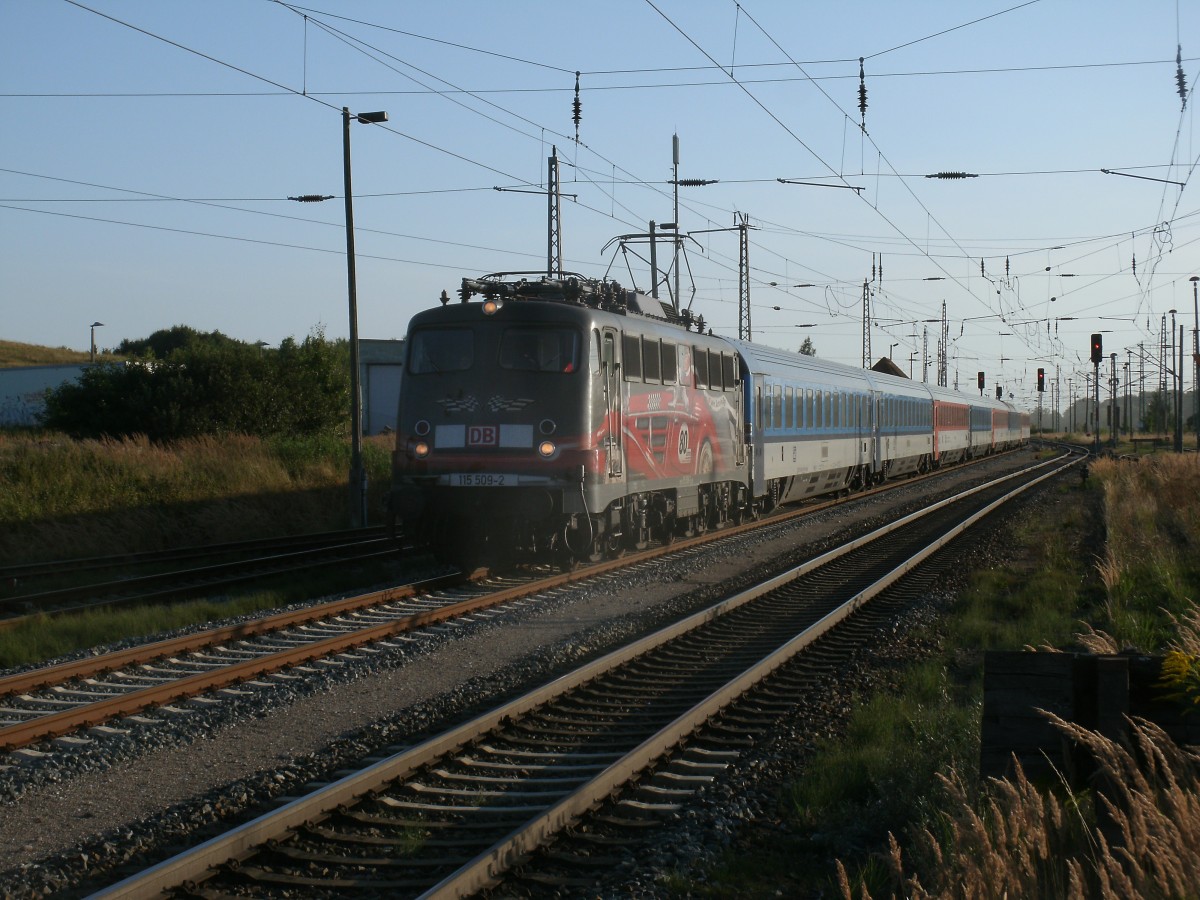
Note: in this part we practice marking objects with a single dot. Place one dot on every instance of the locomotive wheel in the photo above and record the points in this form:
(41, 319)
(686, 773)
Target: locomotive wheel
(639, 539)
(564, 560)
(597, 548)
(670, 526)
(614, 548)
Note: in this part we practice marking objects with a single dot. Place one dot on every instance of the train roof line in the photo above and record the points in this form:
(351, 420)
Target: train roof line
(571, 287)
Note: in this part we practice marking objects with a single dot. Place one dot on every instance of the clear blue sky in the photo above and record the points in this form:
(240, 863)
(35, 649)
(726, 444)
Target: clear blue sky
(149, 149)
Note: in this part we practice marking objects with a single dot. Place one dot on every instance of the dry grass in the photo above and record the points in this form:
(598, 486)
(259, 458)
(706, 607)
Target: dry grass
(63, 498)
(1136, 831)
(1151, 562)
(1134, 835)
(14, 353)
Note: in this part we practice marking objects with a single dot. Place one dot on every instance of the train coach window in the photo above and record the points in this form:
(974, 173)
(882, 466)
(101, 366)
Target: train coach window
(729, 371)
(651, 359)
(714, 370)
(777, 417)
(700, 364)
(540, 349)
(789, 405)
(670, 363)
(434, 350)
(631, 349)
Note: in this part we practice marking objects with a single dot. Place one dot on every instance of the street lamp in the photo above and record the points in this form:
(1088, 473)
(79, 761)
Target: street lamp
(358, 481)
(95, 325)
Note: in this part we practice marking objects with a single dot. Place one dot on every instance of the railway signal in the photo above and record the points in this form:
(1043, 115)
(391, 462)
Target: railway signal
(1097, 349)
(981, 380)
(1042, 380)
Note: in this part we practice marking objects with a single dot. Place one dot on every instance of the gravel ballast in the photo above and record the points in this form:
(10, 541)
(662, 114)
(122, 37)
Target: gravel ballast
(69, 822)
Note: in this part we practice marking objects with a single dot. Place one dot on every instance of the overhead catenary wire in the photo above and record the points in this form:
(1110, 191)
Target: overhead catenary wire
(782, 247)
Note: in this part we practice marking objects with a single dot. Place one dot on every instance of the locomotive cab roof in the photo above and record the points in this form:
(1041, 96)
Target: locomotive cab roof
(572, 288)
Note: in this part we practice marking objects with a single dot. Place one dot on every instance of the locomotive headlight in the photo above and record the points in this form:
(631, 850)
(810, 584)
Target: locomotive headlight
(420, 449)
(491, 305)
(547, 448)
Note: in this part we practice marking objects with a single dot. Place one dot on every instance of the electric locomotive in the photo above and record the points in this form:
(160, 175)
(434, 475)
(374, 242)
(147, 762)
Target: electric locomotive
(563, 418)
(566, 419)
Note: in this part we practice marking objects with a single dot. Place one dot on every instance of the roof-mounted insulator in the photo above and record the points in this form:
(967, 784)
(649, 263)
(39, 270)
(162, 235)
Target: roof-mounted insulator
(576, 109)
(862, 93)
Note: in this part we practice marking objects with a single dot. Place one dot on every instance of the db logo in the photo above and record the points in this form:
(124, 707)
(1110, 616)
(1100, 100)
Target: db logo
(483, 436)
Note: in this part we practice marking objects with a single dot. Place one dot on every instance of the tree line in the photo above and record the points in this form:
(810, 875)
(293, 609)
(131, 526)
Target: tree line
(180, 383)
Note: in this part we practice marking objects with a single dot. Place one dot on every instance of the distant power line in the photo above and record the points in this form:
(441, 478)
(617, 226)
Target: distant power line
(927, 73)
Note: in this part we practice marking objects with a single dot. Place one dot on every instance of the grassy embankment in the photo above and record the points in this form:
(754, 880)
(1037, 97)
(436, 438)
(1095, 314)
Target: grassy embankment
(13, 353)
(907, 764)
(61, 498)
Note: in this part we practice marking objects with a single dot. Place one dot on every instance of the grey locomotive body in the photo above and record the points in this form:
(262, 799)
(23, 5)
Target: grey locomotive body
(566, 419)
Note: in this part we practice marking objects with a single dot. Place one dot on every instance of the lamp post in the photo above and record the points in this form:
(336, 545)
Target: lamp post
(95, 325)
(358, 481)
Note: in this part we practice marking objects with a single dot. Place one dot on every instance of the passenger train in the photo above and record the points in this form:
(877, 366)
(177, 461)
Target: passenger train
(565, 419)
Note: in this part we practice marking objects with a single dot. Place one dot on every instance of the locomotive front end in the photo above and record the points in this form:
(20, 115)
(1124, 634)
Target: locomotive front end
(492, 432)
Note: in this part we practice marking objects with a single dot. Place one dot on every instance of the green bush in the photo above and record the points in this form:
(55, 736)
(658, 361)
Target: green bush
(206, 386)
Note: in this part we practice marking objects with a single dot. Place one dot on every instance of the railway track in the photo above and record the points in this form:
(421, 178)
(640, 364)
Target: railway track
(28, 573)
(624, 734)
(223, 566)
(98, 693)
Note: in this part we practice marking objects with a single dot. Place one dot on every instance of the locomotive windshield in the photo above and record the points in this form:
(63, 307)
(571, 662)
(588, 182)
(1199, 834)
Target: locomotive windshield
(540, 349)
(441, 350)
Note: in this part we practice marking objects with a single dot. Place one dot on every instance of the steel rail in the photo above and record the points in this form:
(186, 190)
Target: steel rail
(180, 582)
(107, 662)
(66, 721)
(196, 864)
(92, 563)
(487, 866)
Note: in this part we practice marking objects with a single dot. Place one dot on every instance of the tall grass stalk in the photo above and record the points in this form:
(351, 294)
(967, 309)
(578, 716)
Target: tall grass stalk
(1027, 842)
(1135, 833)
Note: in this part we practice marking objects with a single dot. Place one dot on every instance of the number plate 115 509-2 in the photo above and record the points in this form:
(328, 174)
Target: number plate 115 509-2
(479, 479)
